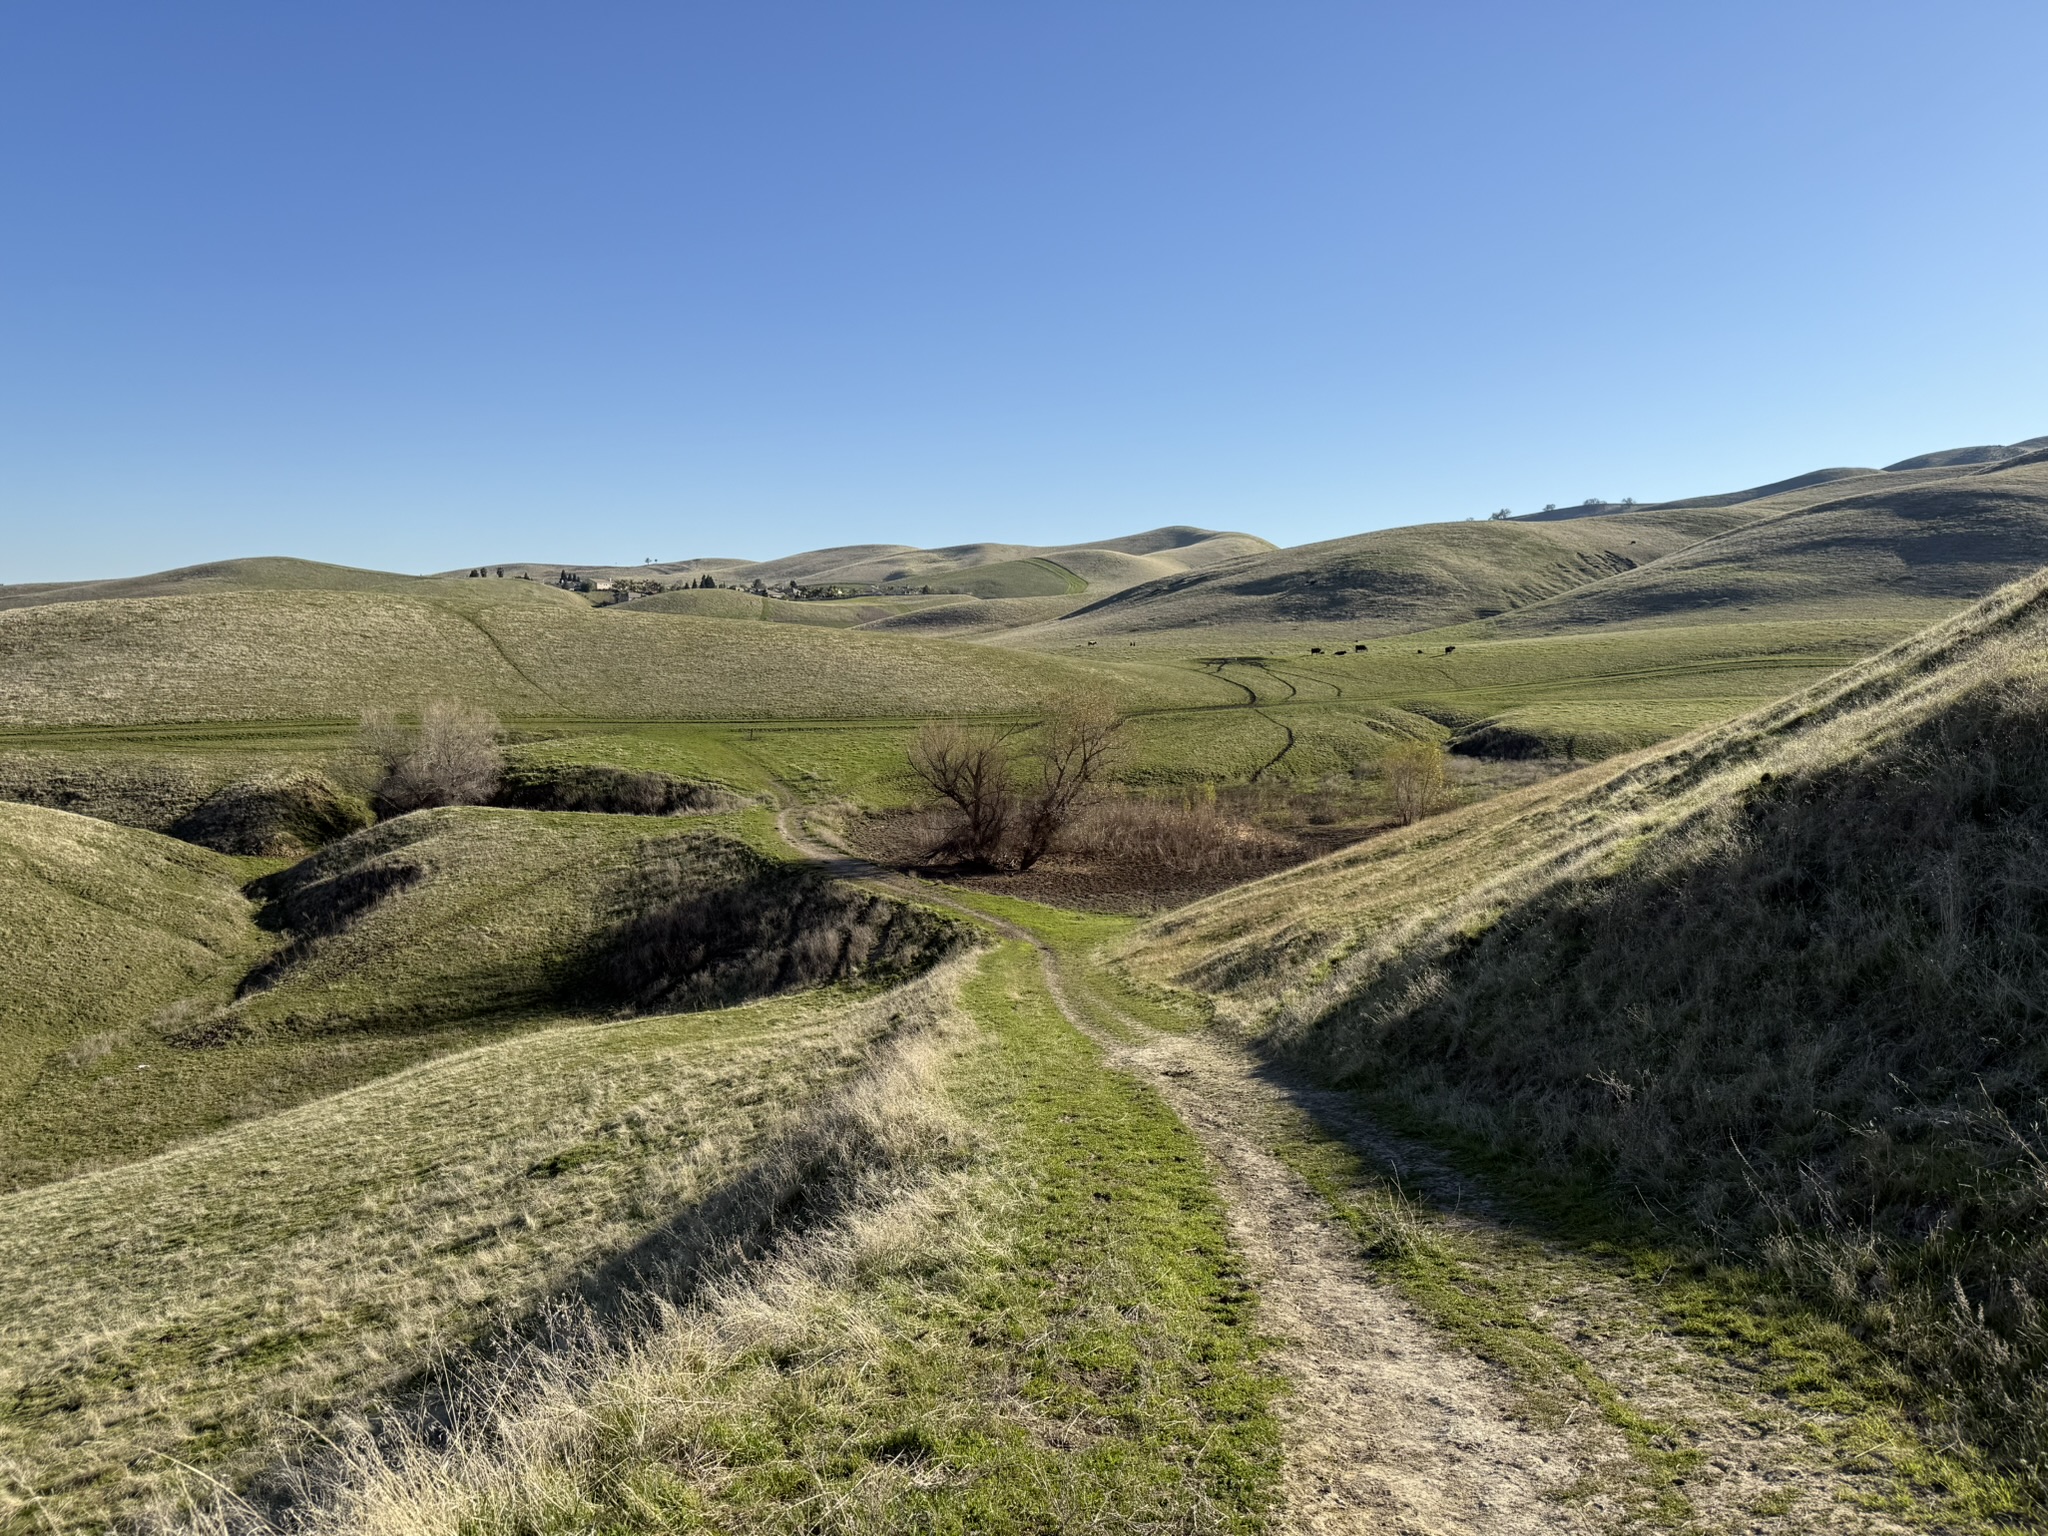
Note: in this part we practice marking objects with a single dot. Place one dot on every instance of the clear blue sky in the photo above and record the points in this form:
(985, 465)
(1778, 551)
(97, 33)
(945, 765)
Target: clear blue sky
(415, 285)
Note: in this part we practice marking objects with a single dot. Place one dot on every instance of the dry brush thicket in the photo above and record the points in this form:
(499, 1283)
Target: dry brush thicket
(1014, 791)
(450, 756)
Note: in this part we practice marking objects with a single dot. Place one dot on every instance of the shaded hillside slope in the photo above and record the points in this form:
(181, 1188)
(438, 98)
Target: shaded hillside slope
(271, 574)
(308, 655)
(1781, 985)
(1397, 580)
(1943, 537)
(207, 1308)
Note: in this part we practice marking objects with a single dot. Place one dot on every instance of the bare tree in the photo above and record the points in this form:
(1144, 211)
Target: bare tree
(451, 757)
(970, 768)
(1073, 751)
(1414, 772)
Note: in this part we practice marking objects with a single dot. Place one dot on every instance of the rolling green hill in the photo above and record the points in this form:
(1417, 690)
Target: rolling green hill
(1909, 545)
(1105, 563)
(1944, 537)
(413, 938)
(207, 1307)
(300, 655)
(1783, 971)
(276, 574)
(107, 927)
(1391, 582)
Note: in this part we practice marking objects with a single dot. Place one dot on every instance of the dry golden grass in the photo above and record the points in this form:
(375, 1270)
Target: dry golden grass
(207, 1307)
(322, 655)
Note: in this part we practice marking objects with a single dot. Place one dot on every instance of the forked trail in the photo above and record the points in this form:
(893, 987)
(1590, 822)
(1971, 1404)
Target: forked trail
(1390, 1426)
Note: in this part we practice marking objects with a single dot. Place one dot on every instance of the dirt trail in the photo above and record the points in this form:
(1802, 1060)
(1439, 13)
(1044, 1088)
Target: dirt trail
(1389, 1431)
(1390, 1427)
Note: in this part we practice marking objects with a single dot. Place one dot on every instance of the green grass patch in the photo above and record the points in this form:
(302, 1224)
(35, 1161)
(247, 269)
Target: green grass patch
(1079, 942)
(1049, 1333)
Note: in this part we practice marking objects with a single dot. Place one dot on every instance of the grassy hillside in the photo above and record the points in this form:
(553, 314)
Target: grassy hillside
(1942, 538)
(415, 938)
(106, 928)
(287, 655)
(1398, 580)
(273, 574)
(723, 603)
(205, 1308)
(1777, 986)
(1109, 562)
(1009, 578)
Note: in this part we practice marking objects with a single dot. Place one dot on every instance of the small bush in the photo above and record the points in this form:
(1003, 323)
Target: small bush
(1414, 771)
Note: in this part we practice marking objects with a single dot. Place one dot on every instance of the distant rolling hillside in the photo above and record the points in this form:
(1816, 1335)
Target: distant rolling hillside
(262, 574)
(1005, 570)
(326, 655)
(1396, 580)
(1910, 543)
(1932, 539)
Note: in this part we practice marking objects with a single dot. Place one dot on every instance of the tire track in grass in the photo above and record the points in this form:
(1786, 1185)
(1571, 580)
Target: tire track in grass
(505, 656)
(1274, 760)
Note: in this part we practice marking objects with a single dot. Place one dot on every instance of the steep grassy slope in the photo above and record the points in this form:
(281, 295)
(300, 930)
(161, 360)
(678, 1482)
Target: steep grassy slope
(298, 655)
(1782, 982)
(1926, 540)
(1402, 579)
(272, 574)
(105, 927)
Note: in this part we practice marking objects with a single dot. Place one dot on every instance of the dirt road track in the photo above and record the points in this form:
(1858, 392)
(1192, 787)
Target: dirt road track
(1390, 1428)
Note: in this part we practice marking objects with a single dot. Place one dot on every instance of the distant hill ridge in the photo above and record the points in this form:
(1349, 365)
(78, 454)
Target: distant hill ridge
(1102, 565)
(1907, 543)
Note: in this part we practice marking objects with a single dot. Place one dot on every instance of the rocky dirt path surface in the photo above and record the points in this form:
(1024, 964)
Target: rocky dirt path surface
(1392, 1427)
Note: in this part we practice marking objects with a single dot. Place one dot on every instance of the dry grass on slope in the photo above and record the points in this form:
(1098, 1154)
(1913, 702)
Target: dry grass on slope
(1779, 986)
(103, 927)
(1002, 1301)
(205, 1309)
(328, 655)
